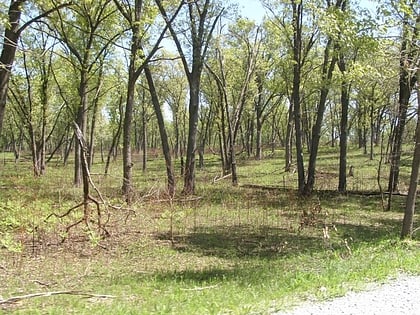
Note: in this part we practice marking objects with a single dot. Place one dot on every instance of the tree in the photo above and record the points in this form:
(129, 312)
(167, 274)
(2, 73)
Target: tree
(300, 39)
(297, 13)
(31, 94)
(408, 10)
(83, 31)
(269, 96)
(202, 19)
(330, 60)
(162, 131)
(175, 90)
(12, 33)
(139, 18)
(234, 78)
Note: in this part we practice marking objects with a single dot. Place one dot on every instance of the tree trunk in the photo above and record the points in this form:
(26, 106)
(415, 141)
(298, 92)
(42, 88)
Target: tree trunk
(407, 82)
(327, 72)
(198, 14)
(407, 227)
(127, 131)
(297, 50)
(288, 140)
(91, 149)
(163, 134)
(258, 113)
(144, 138)
(342, 177)
(372, 133)
(116, 137)
(7, 57)
(81, 120)
(189, 172)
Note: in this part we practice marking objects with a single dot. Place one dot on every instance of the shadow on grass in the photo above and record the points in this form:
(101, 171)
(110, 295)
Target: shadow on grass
(267, 242)
(252, 250)
(244, 242)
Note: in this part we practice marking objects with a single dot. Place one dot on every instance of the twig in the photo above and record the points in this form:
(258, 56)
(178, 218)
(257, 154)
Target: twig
(60, 216)
(18, 298)
(41, 283)
(196, 198)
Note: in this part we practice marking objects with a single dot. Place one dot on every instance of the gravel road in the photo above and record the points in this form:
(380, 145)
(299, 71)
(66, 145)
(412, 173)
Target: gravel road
(398, 297)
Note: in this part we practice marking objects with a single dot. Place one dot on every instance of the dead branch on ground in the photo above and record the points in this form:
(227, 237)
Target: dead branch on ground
(15, 299)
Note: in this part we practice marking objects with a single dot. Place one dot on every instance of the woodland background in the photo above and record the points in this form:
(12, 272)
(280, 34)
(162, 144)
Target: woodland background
(187, 79)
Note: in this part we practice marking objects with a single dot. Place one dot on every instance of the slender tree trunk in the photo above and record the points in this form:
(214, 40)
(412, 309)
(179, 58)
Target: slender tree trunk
(198, 13)
(345, 101)
(222, 148)
(273, 136)
(407, 227)
(163, 134)
(144, 138)
(288, 140)
(7, 57)
(67, 149)
(34, 149)
(372, 133)
(46, 70)
(116, 137)
(297, 50)
(327, 72)
(259, 149)
(95, 109)
(43, 136)
(189, 173)
(259, 112)
(407, 82)
(81, 120)
(127, 188)
(177, 146)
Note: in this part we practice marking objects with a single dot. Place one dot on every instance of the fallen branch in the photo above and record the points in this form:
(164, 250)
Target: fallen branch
(219, 178)
(189, 199)
(201, 288)
(18, 298)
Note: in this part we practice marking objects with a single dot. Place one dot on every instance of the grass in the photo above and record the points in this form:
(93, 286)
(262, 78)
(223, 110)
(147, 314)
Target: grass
(233, 250)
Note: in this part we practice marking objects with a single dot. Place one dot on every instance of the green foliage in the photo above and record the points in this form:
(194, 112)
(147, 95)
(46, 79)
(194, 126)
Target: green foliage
(9, 215)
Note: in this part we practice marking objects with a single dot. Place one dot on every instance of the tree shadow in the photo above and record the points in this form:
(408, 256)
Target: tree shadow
(243, 242)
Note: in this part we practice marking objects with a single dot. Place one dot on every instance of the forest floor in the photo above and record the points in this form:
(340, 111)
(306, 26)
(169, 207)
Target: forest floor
(253, 249)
